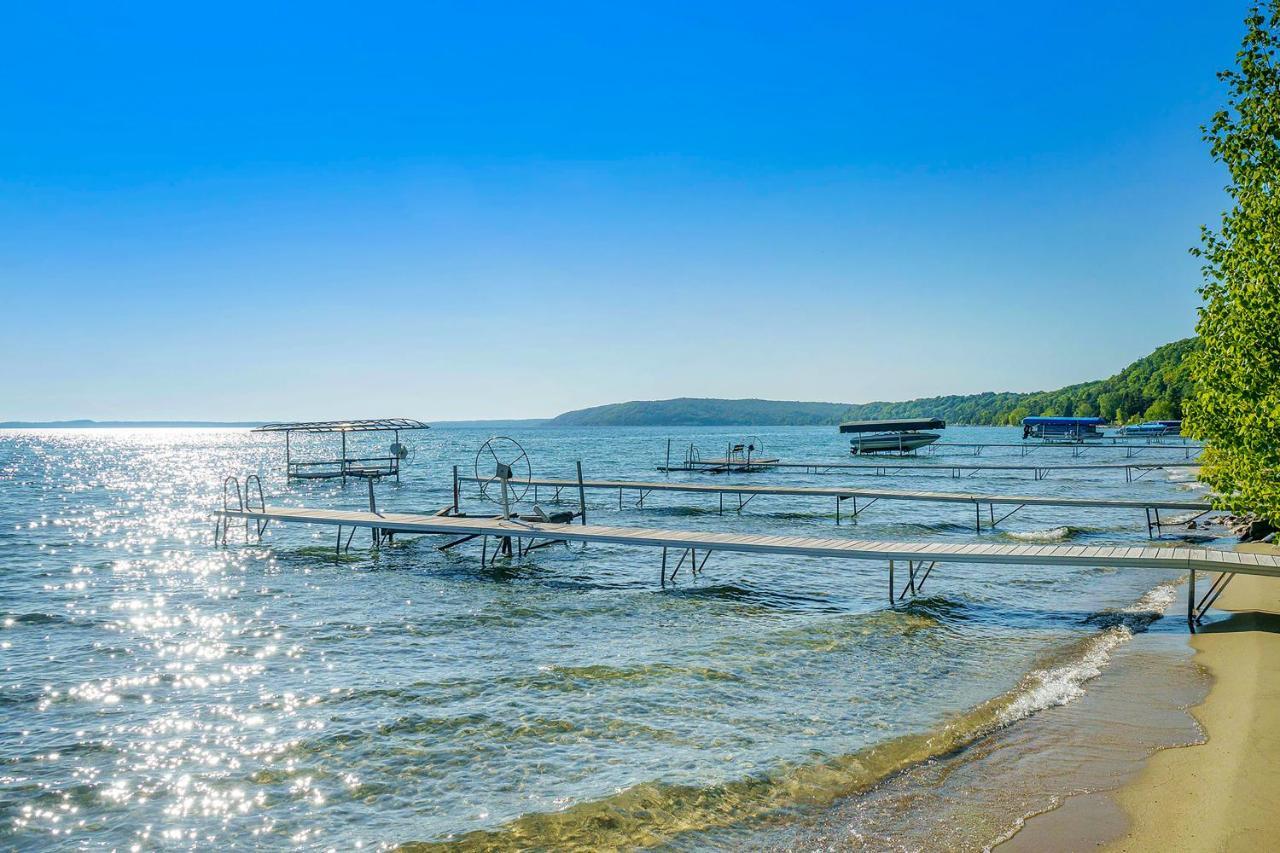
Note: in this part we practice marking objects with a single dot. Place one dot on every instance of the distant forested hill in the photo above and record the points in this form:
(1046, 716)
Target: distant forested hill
(695, 411)
(1152, 388)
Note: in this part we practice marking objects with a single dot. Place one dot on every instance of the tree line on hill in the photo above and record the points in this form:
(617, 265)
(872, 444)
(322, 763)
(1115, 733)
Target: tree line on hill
(1152, 388)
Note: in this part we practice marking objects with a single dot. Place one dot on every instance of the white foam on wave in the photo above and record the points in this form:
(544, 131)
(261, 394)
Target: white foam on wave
(1047, 688)
(1051, 534)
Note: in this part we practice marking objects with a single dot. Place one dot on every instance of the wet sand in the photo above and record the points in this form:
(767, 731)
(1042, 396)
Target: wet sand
(1223, 794)
(1213, 796)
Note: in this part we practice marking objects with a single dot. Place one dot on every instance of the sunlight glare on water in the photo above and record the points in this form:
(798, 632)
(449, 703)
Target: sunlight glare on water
(156, 689)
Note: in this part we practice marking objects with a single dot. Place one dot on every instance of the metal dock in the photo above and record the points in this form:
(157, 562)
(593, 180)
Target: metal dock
(919, 557)
(745, 493)
(720, 466)
(1077, 448)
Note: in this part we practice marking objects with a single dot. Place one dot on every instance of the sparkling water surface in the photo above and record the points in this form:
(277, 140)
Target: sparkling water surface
(158, 691)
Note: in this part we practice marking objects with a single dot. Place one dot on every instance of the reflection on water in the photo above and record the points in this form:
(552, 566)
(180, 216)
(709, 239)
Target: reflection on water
(157, 690)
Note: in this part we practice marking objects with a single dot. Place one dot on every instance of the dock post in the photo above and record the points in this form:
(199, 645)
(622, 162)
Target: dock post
(1191, 601)
(373, 508)
(837, 510)
(662, 573)
(344, 458)
(977, 517)
(891, 583)
(455, 489)
(668, 465)
(287, 469)
(582, 494)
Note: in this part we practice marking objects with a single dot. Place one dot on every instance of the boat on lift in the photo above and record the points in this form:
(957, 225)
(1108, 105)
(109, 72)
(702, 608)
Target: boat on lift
(891, 436)
(1057, 429)
(1152, 429)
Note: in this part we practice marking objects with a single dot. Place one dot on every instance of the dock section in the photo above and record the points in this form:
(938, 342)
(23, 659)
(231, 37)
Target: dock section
(1132, 470)
(920, 557)
(1077, 448)
(745, 492)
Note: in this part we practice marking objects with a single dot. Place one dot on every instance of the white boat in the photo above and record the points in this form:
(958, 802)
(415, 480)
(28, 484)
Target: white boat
(1152, 429)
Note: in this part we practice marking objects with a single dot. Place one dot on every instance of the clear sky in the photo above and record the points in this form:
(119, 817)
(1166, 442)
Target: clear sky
(510, 210)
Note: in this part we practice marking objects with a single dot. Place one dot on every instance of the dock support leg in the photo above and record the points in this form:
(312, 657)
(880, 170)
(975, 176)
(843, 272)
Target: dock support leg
(337, 546)
(1191, 601)
(892, 600)
(837, 510)
(455, 489)
(977, 517)
(582, 495)
(1215, 590)
(662, 573)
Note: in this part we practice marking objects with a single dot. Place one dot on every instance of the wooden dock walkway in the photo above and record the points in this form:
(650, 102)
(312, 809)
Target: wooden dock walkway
(745, 492)
(953, 469)
(916, 554)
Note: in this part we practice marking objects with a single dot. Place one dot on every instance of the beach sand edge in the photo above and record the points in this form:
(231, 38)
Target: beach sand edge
(1221, 794)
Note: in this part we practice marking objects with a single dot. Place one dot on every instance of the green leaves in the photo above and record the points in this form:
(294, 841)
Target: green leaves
(1235, 407)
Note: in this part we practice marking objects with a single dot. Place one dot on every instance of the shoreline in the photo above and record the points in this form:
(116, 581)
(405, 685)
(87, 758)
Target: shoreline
(1221, 795)
(1216, 795)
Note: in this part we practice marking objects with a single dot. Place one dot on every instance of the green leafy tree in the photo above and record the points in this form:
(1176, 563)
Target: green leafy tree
(1235, 407)
(1109, 404)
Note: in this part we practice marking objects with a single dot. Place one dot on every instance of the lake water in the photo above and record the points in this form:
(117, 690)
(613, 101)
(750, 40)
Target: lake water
(158, 691)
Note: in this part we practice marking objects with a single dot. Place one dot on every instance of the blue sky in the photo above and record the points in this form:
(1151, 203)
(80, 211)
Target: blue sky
(466, 211)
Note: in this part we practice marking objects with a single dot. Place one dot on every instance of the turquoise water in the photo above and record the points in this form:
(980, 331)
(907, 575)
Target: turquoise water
(159, 691)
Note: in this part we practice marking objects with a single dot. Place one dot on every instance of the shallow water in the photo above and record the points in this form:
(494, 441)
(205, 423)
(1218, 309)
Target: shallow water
(155, 689)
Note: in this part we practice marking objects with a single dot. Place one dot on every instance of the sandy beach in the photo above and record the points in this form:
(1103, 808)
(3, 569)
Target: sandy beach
(1221, 795)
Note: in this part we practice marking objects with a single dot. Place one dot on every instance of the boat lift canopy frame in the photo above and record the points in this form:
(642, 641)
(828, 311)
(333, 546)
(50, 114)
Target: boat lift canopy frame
(364, 466)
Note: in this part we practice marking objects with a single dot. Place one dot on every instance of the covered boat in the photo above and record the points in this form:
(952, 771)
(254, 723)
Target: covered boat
(893, 436)
(1061, 429)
